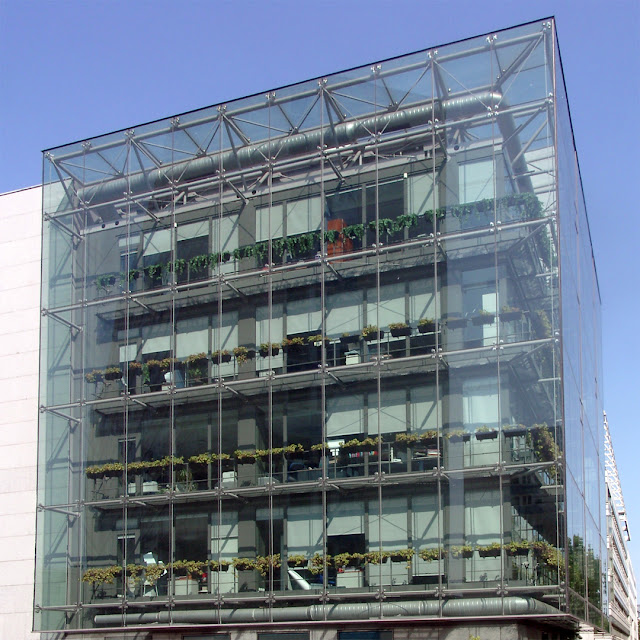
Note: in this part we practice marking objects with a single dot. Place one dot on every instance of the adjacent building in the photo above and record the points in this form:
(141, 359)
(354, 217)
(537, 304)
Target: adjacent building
(326, 360)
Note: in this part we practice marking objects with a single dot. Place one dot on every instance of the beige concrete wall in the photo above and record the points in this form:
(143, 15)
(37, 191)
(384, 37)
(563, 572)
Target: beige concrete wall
(19, 330)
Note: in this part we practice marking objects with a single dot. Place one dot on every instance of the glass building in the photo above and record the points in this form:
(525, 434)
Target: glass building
(327, 358)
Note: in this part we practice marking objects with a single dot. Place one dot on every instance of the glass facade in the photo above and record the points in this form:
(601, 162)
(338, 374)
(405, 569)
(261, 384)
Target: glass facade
(326, 353)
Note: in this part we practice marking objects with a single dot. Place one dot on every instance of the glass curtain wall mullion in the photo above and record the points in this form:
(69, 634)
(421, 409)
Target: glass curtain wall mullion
(495, 136)
(439, 392)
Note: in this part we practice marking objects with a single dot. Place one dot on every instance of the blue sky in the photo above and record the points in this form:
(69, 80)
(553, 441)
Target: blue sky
(73, 69)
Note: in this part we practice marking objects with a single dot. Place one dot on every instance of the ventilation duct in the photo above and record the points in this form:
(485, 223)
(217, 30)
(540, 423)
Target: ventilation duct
(458, 607)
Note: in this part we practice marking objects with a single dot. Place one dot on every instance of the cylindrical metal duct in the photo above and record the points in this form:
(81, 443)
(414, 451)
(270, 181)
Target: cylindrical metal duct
(348, 132)
(455, 607)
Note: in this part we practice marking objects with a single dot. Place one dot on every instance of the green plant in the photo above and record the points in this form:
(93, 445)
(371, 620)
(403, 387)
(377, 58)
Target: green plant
(244, 564)
(293, 342)
(266, 564)
(426, 322)
(241, 354)
(297, 560)
(195, 359)
(221, 565)
(429, 555)
(267, 348)
(376, 557)
(398, 325)
(245, 457)
(317, 338)
(520, 547)
(489, 550)
(370, 330)
(94, 376)
(318, 562)
(135, 367)
(461, 551)
(320, 446)
(191, 568)
(99, 575)
(112, 373)
(400, 555)
(110, 469)
(152, 572)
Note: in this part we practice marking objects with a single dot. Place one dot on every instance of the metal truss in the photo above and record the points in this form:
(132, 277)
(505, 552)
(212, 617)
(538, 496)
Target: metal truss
(260, 130)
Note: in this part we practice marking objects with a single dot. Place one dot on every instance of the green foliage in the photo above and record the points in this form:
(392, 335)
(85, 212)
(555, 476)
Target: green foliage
(266, 564)
(241, 354)
(297, 560)
(429, 555)
(102, 575)
(370, 330)
(398, 325)
(94, 376)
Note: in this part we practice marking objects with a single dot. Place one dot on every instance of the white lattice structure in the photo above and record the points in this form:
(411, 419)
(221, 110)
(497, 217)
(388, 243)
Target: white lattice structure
(613, 480)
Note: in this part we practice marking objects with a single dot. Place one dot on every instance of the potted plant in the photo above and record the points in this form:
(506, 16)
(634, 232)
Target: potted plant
(318, 340)
(221, 356)
(269, 348)
(486, 433)
(483, 317)
(113, 373)
(318, 562)
(405, 440)
(243, 354)
(429, 555)
(135, 368)
(243, 564)
(100, 575)
(402, 555)
(520, 548)
(426, 325)
(456, 322)
(371, 332)
(297, 560)
(266, 564)
(293, 344)
(221, 565)
(490, 550)
(399, 329)
(244, 457)
(513, 430)
(458, 435)
(461, 551)
(509, 314)
(346, 339)
(429, 437)
(94, 376)
(376, 557)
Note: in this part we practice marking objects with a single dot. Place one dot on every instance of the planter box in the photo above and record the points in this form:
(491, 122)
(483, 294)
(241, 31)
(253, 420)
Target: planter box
(489, 553)
(374, 336)
(113, 376)
(457, 323)
(222, 358)
(345, 341)
(478, 321)
(510, 316)
(486, 435)
(403, 332)
(427, 328)
(517, 431)
(265, 352)
(465, 437)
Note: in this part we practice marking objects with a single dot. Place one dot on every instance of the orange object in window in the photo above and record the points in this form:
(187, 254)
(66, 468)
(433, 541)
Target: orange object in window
(342, 244)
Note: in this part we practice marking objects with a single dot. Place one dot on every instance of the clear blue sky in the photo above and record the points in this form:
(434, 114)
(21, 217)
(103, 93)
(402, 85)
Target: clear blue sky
(73, 69)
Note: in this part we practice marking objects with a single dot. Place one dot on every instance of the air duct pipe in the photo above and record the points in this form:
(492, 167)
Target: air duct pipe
(458, 607)
(344, 133)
